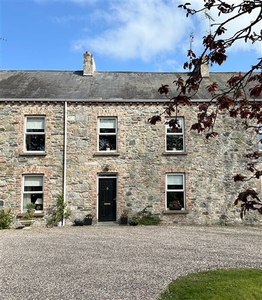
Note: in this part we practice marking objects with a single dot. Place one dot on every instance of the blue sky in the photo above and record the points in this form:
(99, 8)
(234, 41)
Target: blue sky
(123, 35)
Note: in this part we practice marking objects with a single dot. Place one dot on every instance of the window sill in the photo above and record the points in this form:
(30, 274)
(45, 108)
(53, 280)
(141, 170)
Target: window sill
(36, 215)
(33, 154)
(106, 153)
(174, 153)
(175, 212)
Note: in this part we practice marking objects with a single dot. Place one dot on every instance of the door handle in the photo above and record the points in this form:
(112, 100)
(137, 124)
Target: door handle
(107, 203)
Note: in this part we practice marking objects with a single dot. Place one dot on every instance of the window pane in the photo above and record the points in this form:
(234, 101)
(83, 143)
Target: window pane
(35, 124)
(174, 142)
(107, 126)
(107, 141)
(176, 130)
(26, 200)
(33, 192)
(175, 180)
(35, 142)
(33, 181)
(175, 200)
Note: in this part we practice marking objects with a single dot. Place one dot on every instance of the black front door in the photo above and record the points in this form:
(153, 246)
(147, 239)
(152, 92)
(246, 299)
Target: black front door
(107, 199)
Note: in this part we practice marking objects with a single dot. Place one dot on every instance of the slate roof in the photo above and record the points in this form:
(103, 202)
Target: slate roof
(60, 85)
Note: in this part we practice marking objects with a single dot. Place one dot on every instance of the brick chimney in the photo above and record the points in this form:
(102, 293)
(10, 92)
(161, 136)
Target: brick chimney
(89, 66)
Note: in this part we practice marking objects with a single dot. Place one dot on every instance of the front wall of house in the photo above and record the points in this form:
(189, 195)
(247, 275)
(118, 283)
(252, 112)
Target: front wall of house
(15, 163)
(141, 164)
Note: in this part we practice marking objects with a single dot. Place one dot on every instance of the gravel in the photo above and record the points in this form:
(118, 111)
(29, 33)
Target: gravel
(117, 262)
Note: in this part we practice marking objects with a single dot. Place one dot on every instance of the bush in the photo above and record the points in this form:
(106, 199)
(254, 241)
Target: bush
(6, 218)
(145, 217)
(148, 219)
(58, 213)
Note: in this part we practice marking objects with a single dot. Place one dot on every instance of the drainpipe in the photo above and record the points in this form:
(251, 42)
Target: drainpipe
(65, 155)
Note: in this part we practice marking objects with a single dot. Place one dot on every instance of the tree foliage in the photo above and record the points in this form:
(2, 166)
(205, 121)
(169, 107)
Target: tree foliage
(241, 97)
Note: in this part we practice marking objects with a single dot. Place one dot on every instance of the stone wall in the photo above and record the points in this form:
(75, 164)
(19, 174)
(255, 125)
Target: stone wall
(141, 166)
(15, 162)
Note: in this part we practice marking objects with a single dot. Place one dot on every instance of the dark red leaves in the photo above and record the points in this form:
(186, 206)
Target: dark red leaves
(163, 89)
(183, 100)
(197, 127)
(154, 119)
(251, 167)
(255, 91)
(211, 134)
(253, 155)
(221, 30)
(234, 80)
(212, 88)
(179, 82)
(190, 53)
(250, 200)
(233, 113)
(243, 196)
(218, 57)
(174, 124)
(224, 102)
(239, 177)
(258, 174)
(203, 107)
(256, 77)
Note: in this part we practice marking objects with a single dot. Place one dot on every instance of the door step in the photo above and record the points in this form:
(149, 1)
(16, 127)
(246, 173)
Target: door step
(106, 224)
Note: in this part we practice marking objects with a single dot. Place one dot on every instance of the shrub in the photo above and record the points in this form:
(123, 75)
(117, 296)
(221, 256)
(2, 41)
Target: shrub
(58, 213)
(6, 218)
(148, 219)
(145, 217)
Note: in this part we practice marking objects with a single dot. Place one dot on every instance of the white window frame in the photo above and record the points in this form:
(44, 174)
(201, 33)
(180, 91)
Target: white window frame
(169, 132)
(33, 194)
(102, 145)
(260, 137)
(175, 190)
(38, 133)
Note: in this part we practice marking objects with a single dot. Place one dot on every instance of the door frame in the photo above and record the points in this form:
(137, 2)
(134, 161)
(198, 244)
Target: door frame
(101, 176)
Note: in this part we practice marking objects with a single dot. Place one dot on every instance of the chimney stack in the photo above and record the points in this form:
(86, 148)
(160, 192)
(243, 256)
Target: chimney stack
(89, 64)
(204, 69)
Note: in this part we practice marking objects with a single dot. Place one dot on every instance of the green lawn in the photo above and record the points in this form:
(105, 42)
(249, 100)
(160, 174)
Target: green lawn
(229, 284)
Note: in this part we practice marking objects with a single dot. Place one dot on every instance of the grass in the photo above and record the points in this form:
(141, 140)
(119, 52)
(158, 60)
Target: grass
(228, 284)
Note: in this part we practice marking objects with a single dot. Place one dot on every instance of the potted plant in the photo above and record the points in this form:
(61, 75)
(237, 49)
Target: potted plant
(124, 217)
(28, 217)
(88, 219)
(78, 222)
(175, 205)
(134, 220)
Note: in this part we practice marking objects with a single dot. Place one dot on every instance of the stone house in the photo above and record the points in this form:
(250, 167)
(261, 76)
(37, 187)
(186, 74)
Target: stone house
(85, 135)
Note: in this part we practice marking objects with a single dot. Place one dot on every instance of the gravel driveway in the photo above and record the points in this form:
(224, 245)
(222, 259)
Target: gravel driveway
(116, 262)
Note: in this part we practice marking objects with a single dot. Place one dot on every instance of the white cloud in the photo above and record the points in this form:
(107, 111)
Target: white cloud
(140, 30)
(147, 30)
